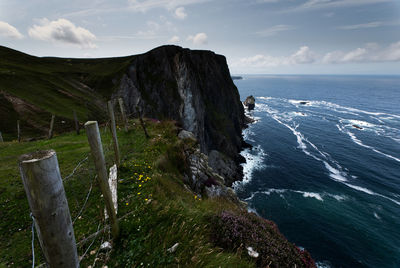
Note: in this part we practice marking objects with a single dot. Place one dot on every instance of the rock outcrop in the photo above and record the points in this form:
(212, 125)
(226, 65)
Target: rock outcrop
(201, 178)
(250, 102)
(194, 88)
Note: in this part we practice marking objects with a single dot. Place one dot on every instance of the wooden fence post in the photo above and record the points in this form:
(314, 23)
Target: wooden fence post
(142, 123)
(121, 106)
(76, 123)
(19, 131)
(51, 126)
(93, 134)
(114, 132)
(1, 137)
(46, 196)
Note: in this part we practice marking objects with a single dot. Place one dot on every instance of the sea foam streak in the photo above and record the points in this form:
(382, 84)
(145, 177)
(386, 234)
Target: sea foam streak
(359, 142)
(317, 196)
(334, 173)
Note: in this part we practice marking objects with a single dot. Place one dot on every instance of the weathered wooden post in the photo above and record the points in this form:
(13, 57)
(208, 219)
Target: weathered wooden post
(18, 131)
(1, 137)
(142, 123)
(121, 106)
(114, 132)
(46, 196)
(93, 134)
(51, 126)
(76, 123)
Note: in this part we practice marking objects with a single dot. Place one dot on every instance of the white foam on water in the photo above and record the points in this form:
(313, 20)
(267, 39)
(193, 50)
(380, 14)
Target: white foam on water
(278, 191)
(361, 189)
(313, 195)
(281, 192)
(338, 197)
(359, 142)
(339, 108)
(367, 191)
(264, 98)
(323, 264)
(335, 173)
(376, 216)
(255, 159)
(300, 102)
(361, 123)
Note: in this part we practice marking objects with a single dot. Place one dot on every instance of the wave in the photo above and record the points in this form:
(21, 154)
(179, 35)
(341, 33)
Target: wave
(323, 264)
(334, 107)
(367, 191)
(335, 173)
(255, 158)
(360, 143)
(317, 196)
(339, 108)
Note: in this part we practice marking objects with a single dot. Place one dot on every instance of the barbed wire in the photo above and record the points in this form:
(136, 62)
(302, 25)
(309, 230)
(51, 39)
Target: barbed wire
(94, 239)
(77, 166)
(87, 198)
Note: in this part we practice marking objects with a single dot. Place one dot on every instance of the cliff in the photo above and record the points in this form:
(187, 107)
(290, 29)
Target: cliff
(191, 87)
(172, 190)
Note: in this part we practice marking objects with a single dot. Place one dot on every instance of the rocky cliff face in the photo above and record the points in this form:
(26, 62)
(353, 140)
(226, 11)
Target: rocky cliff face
(195, 89)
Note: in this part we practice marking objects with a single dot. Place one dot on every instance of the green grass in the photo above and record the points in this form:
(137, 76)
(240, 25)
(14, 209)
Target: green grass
(54, 86)
(156, 208)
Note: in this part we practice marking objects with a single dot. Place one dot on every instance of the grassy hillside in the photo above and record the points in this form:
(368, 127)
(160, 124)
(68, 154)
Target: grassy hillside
(42, 86)
(156, 209)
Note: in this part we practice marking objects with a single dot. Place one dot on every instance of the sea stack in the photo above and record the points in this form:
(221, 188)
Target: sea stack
(250, 102)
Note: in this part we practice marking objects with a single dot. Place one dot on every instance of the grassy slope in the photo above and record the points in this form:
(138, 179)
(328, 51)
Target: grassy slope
(55, 85)
(172, 216)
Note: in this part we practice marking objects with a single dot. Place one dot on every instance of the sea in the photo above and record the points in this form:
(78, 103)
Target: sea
(325, 164)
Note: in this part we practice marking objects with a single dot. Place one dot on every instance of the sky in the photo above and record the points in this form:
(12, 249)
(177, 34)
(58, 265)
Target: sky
(256, 36)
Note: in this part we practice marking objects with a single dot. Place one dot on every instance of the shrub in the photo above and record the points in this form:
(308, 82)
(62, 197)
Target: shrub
(239, 231)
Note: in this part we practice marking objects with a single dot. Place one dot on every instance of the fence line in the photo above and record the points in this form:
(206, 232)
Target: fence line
(77, 166)
(84, 204)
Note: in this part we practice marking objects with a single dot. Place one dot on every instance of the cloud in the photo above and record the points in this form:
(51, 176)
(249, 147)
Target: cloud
(302, 56)
(180, 13)
(369, 53)
(62, 31)
(329, 4)
(274, 30)
(373, 24)
(174, 39)
(145, 5)
(198, 39)
(10, 31)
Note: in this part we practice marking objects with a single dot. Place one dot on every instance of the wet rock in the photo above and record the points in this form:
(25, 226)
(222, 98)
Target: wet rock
(250, 102)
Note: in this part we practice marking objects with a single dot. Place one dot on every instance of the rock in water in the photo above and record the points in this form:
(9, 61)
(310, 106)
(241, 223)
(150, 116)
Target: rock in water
(250, 102)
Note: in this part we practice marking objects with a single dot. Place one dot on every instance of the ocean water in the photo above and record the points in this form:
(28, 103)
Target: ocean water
(325, 165)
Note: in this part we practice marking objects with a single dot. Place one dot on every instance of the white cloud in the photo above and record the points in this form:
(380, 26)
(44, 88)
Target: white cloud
(10, 31)
(174, 39)
(180, 13)
(145, 5)
(274, 30)
(198, 39)
(370, 53)
(328, 4)
(373, 24)
(63, 31)
(302, 56)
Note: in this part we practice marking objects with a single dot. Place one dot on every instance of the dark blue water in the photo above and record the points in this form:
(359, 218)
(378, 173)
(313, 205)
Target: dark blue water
(326, 164)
